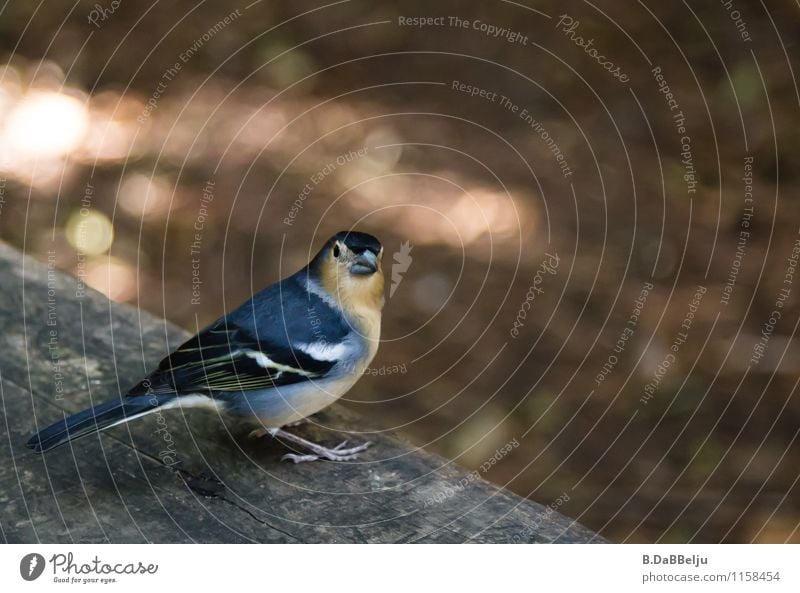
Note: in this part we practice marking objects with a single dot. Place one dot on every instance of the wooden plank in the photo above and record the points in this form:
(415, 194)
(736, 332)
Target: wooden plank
(195, 477)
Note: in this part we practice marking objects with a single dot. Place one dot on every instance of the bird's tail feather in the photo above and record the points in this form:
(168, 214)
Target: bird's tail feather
(95, 419)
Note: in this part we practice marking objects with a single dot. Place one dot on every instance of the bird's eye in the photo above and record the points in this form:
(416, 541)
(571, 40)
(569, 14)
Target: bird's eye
(336, 250)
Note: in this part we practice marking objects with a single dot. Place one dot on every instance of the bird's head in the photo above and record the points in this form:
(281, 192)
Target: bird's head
(349, 269)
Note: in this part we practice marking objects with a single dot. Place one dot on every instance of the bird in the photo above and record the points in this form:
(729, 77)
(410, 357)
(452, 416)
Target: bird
(291, 350)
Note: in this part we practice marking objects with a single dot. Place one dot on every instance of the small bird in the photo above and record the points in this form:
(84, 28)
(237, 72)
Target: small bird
(291, 350)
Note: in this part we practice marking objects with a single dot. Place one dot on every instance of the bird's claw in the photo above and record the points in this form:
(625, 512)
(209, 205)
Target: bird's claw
(338, 453)
(353, 451)
(294, 457)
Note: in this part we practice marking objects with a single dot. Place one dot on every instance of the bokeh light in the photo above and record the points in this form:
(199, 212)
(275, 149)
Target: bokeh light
(113, 277)
(90, 232)
(45, 125)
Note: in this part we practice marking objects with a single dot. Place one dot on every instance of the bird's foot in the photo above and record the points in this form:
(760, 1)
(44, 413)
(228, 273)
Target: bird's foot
(338, 453)
(317, 451)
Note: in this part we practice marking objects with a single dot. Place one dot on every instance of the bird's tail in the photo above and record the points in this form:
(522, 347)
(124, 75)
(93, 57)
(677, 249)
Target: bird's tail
(95, 419)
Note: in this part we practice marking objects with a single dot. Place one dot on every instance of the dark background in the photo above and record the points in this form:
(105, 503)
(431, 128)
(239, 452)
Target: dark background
(267, 100)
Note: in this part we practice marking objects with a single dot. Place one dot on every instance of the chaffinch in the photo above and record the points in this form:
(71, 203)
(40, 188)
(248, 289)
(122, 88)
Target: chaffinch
(291, 350)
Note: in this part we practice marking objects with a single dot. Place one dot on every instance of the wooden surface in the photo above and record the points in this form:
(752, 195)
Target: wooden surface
(190, 477)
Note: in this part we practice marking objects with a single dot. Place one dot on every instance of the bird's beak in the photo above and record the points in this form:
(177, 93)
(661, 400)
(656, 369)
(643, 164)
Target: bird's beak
(365, 263)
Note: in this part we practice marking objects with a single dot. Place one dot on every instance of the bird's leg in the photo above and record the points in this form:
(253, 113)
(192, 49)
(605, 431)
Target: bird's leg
(262, 431)
(338, 453)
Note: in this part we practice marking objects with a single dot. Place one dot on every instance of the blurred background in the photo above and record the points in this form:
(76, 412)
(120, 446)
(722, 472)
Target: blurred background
(585, 241)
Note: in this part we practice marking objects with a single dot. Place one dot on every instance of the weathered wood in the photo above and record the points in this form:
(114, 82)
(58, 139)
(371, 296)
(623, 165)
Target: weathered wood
(59, 352)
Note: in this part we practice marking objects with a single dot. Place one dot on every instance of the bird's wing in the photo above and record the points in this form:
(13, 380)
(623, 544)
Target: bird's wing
(225, 357)
(283, 335)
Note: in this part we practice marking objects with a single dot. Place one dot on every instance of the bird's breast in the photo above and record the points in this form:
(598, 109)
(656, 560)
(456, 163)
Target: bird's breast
(367, 326)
